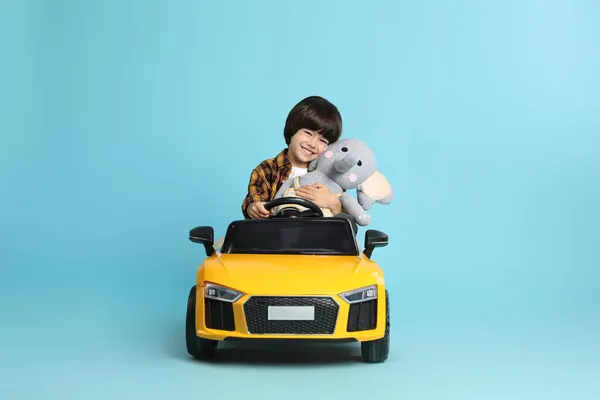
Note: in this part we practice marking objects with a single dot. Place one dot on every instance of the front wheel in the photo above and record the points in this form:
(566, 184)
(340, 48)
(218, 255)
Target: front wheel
(202, 349)
(377, 351)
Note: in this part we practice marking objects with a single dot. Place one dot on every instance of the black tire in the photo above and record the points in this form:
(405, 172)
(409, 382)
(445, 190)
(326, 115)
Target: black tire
(377, 351)
(197, 347)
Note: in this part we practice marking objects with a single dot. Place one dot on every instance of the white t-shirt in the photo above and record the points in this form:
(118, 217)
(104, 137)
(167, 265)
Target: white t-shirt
(296, 171)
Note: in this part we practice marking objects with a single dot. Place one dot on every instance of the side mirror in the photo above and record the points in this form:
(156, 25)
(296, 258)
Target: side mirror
(204, 235)
(374, 238)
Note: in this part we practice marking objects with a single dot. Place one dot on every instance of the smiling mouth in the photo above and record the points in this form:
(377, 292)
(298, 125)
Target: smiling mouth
(308, 152)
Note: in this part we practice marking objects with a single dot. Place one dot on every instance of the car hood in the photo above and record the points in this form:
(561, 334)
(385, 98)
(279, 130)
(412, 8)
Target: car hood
(291, 274)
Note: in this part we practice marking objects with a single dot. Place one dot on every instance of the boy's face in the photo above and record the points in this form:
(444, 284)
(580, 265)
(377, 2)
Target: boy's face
(305, 146)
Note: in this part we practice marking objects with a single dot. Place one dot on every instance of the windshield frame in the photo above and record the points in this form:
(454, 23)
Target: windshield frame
(317, 223)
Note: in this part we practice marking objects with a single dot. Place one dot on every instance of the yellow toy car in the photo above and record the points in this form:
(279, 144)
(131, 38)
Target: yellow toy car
(295, 275)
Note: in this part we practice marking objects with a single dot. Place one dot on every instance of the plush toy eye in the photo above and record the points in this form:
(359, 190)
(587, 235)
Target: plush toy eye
(344, 149)
(359, 163)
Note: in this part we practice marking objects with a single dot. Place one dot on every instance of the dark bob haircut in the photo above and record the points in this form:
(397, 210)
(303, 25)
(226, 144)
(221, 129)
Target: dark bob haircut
(317, 114)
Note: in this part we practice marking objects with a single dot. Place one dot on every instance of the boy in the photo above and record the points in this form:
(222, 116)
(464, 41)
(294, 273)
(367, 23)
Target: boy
(312, 125)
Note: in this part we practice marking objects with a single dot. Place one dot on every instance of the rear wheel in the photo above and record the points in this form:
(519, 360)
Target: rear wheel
(197, 347)
(376, 351)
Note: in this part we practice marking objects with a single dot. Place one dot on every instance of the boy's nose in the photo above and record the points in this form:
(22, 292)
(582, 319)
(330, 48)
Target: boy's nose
(314, 141)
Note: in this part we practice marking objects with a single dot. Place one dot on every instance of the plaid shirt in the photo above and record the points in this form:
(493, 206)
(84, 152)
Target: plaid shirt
(266, 179)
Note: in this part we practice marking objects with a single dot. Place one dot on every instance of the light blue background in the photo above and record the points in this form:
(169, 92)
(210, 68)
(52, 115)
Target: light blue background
(126, 123)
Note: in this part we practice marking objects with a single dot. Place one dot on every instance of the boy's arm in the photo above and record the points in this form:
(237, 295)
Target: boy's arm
(258, 191)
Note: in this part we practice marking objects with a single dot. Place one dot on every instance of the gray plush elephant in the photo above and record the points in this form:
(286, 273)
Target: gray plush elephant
(348, 164)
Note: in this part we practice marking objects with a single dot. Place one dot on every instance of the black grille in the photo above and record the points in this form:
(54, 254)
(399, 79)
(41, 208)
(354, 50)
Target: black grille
(362, 316)
(219, 315)
(256, 310)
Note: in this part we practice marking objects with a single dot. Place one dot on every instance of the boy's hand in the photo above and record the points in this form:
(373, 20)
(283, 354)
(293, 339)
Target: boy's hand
(258, 211)
(321, 196)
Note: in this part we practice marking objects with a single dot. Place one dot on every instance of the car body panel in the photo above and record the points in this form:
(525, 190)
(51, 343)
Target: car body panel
(290, 275)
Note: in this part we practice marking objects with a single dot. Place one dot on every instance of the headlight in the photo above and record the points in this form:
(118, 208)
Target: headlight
(217, 292)
(360, 295)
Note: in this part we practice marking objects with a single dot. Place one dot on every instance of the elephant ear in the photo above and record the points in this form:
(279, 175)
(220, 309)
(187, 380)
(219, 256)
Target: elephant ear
(377, 188)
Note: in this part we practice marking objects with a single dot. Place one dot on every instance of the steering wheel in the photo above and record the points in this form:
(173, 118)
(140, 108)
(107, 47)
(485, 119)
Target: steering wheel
(292, 212)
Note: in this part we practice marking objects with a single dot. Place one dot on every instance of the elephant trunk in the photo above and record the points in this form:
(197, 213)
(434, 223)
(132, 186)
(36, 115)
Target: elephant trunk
(344, 164)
